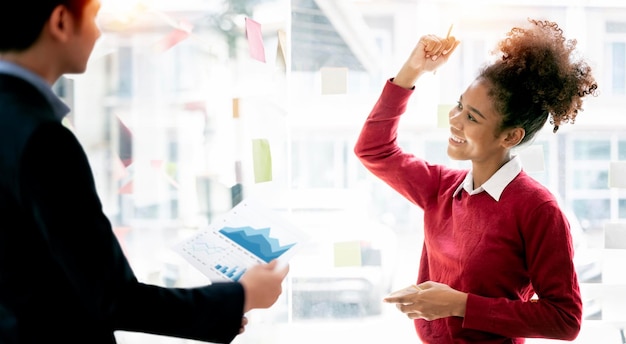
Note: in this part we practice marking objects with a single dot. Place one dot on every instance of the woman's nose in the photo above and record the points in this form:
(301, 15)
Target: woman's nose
(453, 117)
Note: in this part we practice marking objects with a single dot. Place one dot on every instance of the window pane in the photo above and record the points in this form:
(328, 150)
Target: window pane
(592, 150)
(436, 152)
(619, 68)
(591, 179)
(615, 27)
(621, 150)
(315, 166)
(592, 211)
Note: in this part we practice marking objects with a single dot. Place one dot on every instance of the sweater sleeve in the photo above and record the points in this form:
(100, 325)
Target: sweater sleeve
(58, 188)
(557, 311)
(378, 150)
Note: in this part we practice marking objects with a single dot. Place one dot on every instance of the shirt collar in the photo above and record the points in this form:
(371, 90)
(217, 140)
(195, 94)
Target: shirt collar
(495, 185)
(59, 108)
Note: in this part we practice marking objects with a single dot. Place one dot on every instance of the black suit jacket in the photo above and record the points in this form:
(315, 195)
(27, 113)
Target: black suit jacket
(63, 276)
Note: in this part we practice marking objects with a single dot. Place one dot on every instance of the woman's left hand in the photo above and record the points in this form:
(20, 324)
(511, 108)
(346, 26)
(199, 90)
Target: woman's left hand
(430, 301)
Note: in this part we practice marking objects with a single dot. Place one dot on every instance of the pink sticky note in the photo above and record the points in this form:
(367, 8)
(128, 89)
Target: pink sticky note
(255, 40)
(176, 36)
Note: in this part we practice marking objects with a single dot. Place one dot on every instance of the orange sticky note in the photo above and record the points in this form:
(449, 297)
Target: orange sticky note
(255, 40)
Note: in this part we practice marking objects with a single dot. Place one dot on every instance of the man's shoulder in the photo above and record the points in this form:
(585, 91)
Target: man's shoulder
(13, 89)
(21, 102)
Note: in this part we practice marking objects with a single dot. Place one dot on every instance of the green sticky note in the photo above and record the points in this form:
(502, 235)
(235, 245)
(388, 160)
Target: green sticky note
(262, 160)
(443, 111)
(348, 253)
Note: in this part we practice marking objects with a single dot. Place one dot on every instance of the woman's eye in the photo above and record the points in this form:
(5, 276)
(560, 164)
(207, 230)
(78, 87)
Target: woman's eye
(459, 106)
(470, 117)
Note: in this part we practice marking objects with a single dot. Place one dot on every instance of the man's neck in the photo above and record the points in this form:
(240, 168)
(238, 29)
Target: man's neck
(36, 61)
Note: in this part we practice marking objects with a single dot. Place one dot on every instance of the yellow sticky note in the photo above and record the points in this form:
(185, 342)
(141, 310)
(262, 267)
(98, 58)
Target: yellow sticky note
(348, 253)
(334, 80)
(262, 158)
(443, 111)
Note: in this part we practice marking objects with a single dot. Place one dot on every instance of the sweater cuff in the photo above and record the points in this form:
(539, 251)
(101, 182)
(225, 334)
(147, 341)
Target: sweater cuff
(394, 97)
(477, 312)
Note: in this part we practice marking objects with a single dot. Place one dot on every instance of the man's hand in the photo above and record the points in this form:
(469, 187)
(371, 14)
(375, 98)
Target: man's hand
(262, 285)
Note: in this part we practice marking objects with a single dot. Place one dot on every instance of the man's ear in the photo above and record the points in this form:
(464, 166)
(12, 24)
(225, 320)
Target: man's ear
(59, 24)
(513, 137)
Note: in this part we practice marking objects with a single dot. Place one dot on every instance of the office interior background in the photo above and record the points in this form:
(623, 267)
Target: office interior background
(173, 99)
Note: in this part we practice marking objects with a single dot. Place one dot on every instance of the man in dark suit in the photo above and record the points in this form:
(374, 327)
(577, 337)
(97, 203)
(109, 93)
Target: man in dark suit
(63, 276)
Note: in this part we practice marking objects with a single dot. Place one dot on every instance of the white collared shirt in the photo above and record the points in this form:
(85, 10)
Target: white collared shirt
(495, 185)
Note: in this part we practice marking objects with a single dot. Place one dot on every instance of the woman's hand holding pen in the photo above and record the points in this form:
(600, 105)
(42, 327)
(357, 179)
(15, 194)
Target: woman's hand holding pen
(430, 52)
(429, 301)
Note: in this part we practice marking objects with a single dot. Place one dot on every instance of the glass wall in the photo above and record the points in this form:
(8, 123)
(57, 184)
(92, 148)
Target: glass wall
(175, 97)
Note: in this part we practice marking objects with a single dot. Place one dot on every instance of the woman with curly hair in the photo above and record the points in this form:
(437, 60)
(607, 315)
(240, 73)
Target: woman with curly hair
(496, 264)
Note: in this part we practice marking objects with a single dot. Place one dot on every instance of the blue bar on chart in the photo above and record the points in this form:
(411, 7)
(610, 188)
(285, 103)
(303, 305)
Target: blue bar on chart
(232, 273)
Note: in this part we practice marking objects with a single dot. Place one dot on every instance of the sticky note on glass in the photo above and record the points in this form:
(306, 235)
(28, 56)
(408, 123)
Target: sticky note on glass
(617, 174)
(262, 158)
(347, 253)
(615, 235)
(532, 158)
(334, 80)
(235, 107)
(255, 40)
(174, 37)
(443, 114)
(281, 50)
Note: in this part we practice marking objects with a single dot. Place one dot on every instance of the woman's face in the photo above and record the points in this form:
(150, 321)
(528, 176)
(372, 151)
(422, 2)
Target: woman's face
(474, 127)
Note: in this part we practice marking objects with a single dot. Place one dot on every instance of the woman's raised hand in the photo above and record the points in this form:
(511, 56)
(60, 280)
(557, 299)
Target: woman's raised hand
(429, 54)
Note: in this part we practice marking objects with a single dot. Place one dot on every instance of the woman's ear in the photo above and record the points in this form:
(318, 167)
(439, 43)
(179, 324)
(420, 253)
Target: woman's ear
(513, 137)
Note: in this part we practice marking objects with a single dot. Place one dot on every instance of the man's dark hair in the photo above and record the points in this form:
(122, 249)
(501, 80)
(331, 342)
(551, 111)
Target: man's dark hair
(21, 21)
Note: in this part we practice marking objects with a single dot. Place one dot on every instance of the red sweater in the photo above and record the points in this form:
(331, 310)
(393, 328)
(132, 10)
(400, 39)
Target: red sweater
(499, 252)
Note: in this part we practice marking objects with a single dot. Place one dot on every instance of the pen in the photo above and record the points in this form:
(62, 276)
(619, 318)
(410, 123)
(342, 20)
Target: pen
(449, 30)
